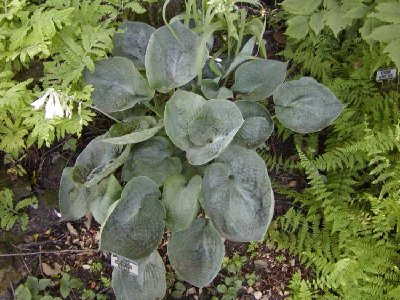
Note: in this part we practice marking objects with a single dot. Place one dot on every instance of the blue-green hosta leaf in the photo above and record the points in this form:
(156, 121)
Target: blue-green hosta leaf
(107, 192)
(301, 7)
(259, 78)
(212, 130)
(180, 199)
(149, 284)
(212, 90)
(152, 158)
(132, 43)
(196, 253)
(201, 128)
(180, 110)
(135, 226)
(305, 105)
(133, 131)
(257, 126)
(171, 57)
(118, 85)
(98, 160)
(73, 196)
(236, 195)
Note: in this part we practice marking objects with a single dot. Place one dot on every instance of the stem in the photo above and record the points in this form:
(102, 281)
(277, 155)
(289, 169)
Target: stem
(153, 109)
(100, 111)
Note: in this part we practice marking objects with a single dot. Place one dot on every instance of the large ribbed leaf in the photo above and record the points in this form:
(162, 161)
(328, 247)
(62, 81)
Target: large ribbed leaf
(258, 79)
(236, 195)
(107, 192)
(133, 130)
(136, 225)
(305, 105)
(180, 199)
(118, 85)
(180, 110)
(132, 42)
(212, 130)
(202, 128)
(73, 196)
(152, 158)
(196, 253)
(149, 284)
(171, 57)
(257, 126)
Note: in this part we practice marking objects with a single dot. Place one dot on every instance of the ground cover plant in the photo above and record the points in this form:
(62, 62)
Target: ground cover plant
(192, 137)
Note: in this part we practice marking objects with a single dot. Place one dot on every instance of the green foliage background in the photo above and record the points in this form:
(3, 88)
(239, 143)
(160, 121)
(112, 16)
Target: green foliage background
(347, 224)
(47, 44)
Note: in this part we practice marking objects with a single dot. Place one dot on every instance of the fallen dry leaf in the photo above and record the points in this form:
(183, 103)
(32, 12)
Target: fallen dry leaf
(49, 271)
(71, 229)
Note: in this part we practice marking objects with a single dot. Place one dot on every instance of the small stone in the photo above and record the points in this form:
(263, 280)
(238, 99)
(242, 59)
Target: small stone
(260, 264)
(258, 295)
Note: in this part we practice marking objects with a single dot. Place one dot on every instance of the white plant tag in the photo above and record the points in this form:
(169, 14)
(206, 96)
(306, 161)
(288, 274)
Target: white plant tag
(386, 74)
(124, 264)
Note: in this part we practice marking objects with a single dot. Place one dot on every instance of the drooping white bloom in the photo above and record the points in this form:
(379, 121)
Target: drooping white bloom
(49, 109)
(39, 102)
(58, 109)
(56, 104)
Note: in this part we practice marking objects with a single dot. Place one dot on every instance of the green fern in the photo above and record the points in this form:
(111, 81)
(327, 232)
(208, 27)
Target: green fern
(10, 214)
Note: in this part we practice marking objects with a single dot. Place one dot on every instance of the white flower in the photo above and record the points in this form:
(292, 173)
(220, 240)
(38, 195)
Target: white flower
(58, 109)
(56, 104)
(39, 102)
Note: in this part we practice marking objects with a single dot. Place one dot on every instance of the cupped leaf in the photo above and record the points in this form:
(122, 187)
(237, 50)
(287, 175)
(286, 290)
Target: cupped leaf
(196, 253)
(133, 131)
(73, 196)
(212, 130)
(244, 55)
(107, 192)
(135, 226)
(118, 85)
(236, 195)
(152, 158)
(180, 110)
(305, 105)
(76, 199)
(212, 90)
(149, 284)
(257, 126)
(180, 199)
(103, 171)
(95, 160)
(201, 128)
(258, 79)
(171, 57)
(132, 42)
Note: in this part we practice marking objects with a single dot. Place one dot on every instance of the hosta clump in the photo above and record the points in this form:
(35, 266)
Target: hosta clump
(189, 163)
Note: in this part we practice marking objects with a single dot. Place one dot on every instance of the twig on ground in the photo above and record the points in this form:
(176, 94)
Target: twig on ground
(48, 252)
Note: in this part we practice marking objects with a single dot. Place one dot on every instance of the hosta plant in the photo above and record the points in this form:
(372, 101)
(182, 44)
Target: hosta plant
(182, 155)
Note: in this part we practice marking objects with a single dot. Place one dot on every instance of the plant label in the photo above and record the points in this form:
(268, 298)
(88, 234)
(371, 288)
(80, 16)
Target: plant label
(386, 74)
(124, 264)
